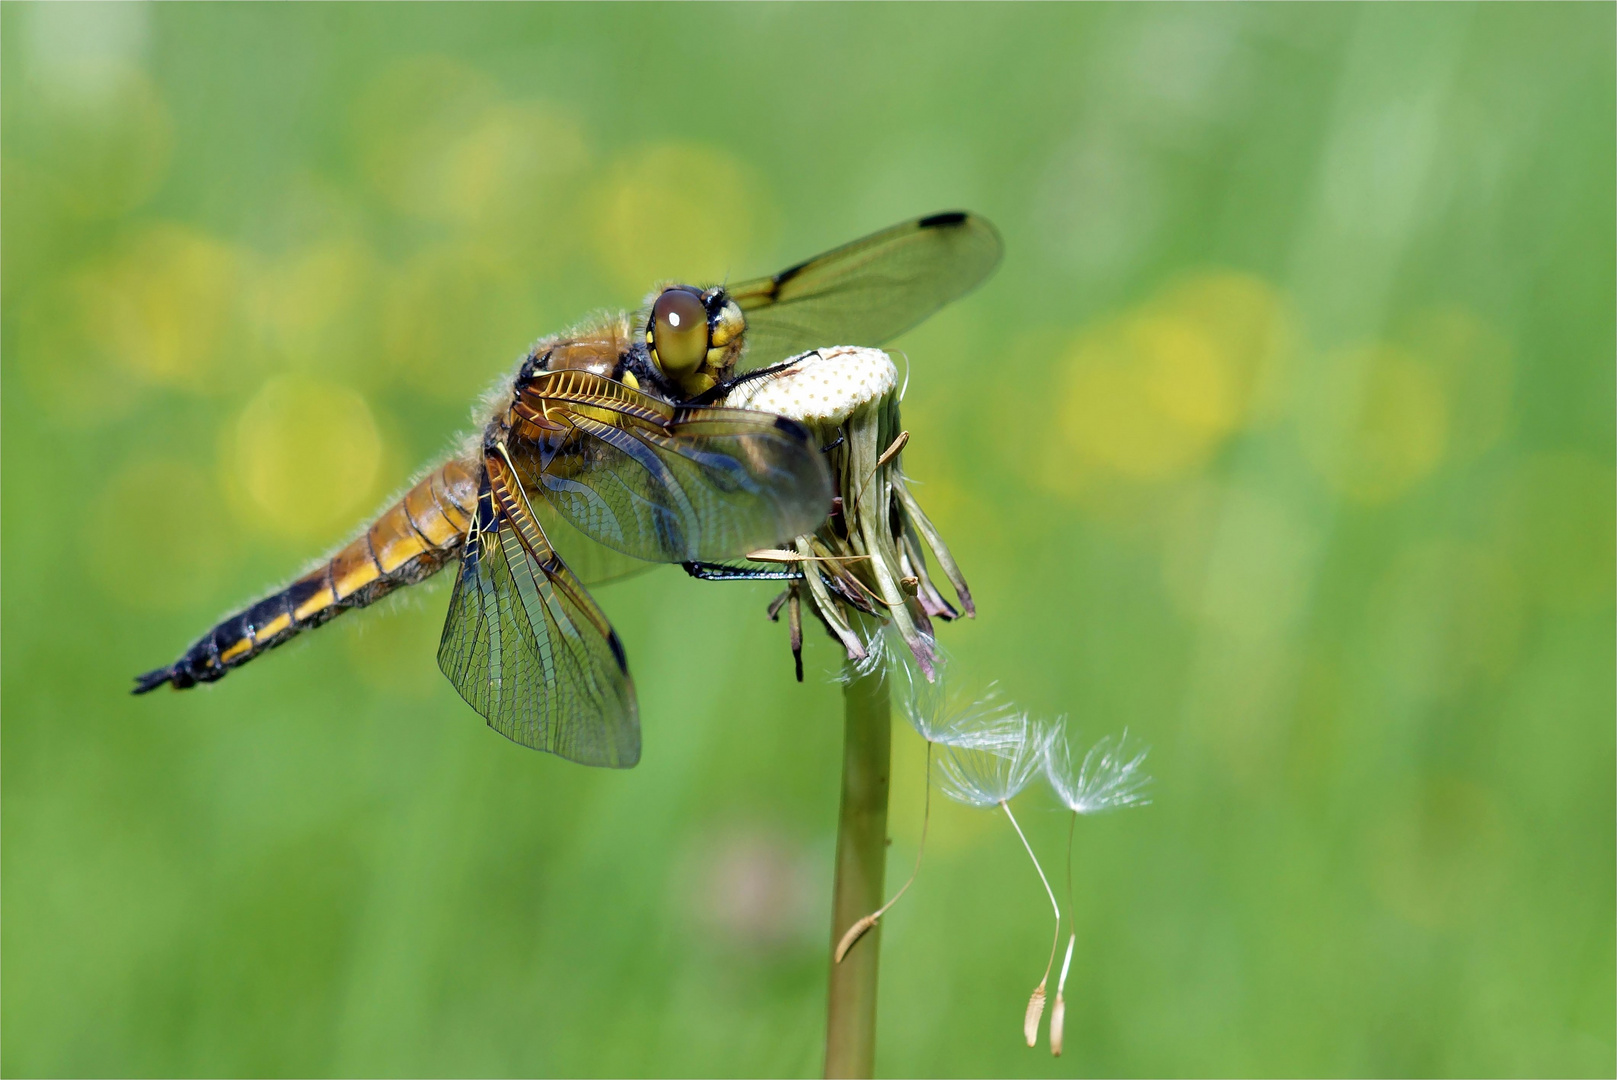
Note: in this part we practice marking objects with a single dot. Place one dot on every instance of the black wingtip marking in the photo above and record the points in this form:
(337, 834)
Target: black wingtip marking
(786, 275)
(791, 427)
(145, 684)
(944, 220)
(619, 656)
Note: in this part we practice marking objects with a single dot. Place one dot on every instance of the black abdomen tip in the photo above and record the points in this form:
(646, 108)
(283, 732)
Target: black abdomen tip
(145, 684)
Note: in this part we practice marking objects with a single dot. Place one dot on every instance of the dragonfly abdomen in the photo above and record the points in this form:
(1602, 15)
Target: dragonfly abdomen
(409, 542)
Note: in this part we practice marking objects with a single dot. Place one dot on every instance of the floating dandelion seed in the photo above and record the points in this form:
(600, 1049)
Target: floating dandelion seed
(1058, 1011)
(1108, 778)
(993, 776)
(940, 717)
(943, 716)
(994, 769)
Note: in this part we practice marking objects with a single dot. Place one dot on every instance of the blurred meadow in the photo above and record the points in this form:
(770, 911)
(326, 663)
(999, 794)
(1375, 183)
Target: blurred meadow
(1283, 438)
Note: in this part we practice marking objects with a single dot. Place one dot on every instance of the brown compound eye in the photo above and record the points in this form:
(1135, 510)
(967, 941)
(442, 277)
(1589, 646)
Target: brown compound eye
(678, 331)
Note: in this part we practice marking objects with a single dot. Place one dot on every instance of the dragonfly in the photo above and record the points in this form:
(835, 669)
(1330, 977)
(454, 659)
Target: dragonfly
(610, 444)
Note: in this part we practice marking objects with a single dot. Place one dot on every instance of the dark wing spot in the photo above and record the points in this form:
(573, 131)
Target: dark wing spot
(786, 275)
(943, 220)
(617, 651)
(792, 428)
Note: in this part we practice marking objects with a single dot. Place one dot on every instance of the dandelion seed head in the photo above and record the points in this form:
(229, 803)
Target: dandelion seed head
(1108, 778)
(870, 565)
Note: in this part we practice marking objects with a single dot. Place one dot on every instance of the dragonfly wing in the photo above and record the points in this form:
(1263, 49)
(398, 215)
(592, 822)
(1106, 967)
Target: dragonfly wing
(870, 291)
(525, 644)
(663, 482)
(591, 561)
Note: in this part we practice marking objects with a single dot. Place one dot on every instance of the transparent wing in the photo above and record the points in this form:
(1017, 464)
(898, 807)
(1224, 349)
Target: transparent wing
(663, 482)
(593, 562)
(867, 292)
(527, 647)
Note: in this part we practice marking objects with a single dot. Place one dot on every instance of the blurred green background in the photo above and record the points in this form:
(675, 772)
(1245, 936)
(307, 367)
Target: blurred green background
(1283, 437)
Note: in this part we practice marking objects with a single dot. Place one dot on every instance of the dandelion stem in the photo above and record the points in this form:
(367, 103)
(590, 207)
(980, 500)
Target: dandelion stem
(850, 1037)
(857, 930)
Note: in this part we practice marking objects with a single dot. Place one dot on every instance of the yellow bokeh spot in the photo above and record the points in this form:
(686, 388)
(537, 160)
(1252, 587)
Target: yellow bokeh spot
(1187, 378)
(311, 305)
(1151, 395)
(1147, 399)
(1374, 422)
(97, 154)
(454, 319)
(437, 142)
(500, 165)
(1247, 325)
(163, 304)
(304, 456)
(166, 543)
(679, 211)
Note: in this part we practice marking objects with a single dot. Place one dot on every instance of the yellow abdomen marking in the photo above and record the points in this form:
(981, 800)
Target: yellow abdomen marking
(241, 648)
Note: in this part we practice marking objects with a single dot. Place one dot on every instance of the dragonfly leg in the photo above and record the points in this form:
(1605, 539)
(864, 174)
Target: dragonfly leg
(705, 571)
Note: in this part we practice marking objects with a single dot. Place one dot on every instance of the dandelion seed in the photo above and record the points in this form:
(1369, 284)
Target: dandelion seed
(1058, 1014)
(986, 777)
(990, 766)
(1035, 1010)
(1108, 778)
(942, 717)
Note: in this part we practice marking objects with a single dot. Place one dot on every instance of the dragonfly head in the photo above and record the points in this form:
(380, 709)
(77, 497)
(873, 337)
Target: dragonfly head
(694, 336)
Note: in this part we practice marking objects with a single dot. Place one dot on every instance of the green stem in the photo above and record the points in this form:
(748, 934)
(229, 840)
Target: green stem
(850, 1035)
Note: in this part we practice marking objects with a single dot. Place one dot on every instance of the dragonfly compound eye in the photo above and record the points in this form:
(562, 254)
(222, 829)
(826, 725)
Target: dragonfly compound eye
(678, 331)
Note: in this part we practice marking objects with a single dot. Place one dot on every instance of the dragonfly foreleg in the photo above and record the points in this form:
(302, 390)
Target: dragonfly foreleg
(706, 571)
